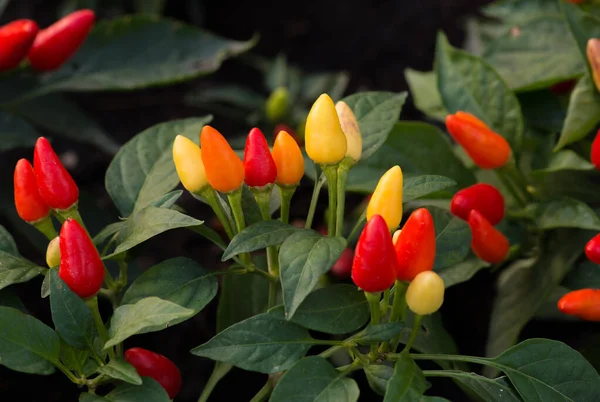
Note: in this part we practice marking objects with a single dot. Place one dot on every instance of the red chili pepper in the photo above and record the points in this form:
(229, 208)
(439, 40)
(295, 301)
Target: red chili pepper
(343, 266)
(484, 198)
(487, 242)
(80, 265)
(415, 246)
(595, 154)
(259, 166)
(583, 303)
(55, 184)
(56, 44)
(592, 249)
(15, 40)
(30, 205)
(375, 266)
(156, 366)
(563, 88)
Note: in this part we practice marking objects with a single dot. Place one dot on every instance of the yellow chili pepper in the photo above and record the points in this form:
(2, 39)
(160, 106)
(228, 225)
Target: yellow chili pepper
(53, 253)
(224, 169)
(351, 129)
(425, 293)
(325, 141)
(387, 198)
(188, 162)
(288, 159)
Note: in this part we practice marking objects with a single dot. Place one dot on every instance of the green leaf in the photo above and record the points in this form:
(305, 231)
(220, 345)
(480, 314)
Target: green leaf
(234, 95)
(314, 379)
(178, 280)
(538, 54)
(565, 160)
(149, 391)
(583, 27)
(380, 333)
(45, 288)
(376, 112)
(7, 243)
(425, 94)
(143, 169)
(108, 232)
(303, 258)
(264, 343)
(119, 369)
(489, 389)
(26, 344)
(419, 186)
(74, 359)
(9, 298)
(462, 271)
(378, 376)
(147, 223)
(166, 200)
(407, 384)
(585, 275)
(582, 115)
(258, 236)
(15, 269)
(453, 238)
(71, 316)
(566, 213)
(15, 132)
(468, 83)
(543, 110)
(147, 315)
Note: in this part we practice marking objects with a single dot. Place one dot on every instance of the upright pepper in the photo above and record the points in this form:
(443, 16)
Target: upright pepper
(56, 44)
(30, 205)
(484, 198)
(156, 366)
(259, 166)
(486, 148)
(593, 56)
(277, 104)
(188, 163)
(583, 303)
(425, 294)
(80, 265)
(592, 249)
(288, 160)
(487, 242)
(325, 141)
(224, 169)
(375, 266)
(595, 154)
(351, 129)
(15, 40)
(415, 246)
(56, 186)
(387, 198)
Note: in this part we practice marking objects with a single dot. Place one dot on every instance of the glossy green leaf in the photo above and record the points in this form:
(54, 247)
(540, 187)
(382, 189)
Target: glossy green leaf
(149, 391)
(108, 232)
(378, 376)
(74, 359)
(119, 369)
(7, 243)
(166, 200)
(143, 169)
(582, 25)
(16, 269)
(45, 288)
(419, 186)
(585, 275)
(303, 258)
(468, 83)
(380, 333)
(453, 238)
(26, 344)
(407, 383)
(376, 112)
(257, 237)
(425, 94)
(462, 271)
(147, 315)
(265, 343)
(566, 213)
(71, 316)
(490, 390)
(16, 132)
(314, 379)
(565, 160)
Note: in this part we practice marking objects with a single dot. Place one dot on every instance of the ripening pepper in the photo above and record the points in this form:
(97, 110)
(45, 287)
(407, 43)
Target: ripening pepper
(486, 148)
(55, 184)
(188, 163)
(30, 205)
(483, 197)
(593, 56)
(259, 166)
(415, 246)
(375, 266)
(288, 160)
(277, 104)
(156, 366)
(351, 129)
(386, 200)
(56, 44)
(583, 303)
(324, 139)
(487, 242)
(80, 265)
(224, 169)
(53, 253)
(592, 249)
(343, 266)
(15, 40)
(425, 294)
(595, 154)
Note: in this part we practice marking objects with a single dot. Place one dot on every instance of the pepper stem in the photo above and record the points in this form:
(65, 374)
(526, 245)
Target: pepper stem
(342, 178)
(210, 195)
(397, 313)
(313, 201)
(46, 227)
(92, 303)
(286, 193)
(373, 299)
(330, 172)
(235, 200)
(73, 213)
(413, 334)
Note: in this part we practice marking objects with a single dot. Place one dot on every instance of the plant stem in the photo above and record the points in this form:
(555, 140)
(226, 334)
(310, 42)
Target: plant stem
(342, 177)
(362, 219)
(329, 352)
(286, 193)
(73, 213)
(68, 373)
(235, 200)
(345, 370)
(313, 201)
(413, 335)
(211, 196)
(46, 227)
(330, 172)
(263, 393)
(92, 303)
(397, 313)
(220, 370)
(386, 302)
(373, 299)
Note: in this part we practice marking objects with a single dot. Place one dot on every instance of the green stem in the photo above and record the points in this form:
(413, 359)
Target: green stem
(92, 303)
(211, 196)
(342, 177)
(68, 373)
(235, 200)
(331, 351)
(110, 295)
(386, 302)
(373, 299)
(220, 370)
(46, 227)
(413, 335)
(286, 193)
(456, 358)
(330, 172)
(397, 313)
(263, 393)
(345, 370)
(313, 201)
(361, 220)
(73, 213)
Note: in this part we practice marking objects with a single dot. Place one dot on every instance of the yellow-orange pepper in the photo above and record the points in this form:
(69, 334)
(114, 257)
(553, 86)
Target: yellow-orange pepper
(593, 56)
(224, 169)
(425, 294)
(188, 162)
(351, 129)
(288, 159)
(387, 198)
(324, 139)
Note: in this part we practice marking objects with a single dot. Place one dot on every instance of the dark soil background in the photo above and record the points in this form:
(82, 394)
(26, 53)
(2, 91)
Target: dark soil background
(373, 40)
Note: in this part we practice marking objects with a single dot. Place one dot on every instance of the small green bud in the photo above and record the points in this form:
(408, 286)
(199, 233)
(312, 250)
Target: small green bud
(277, 105)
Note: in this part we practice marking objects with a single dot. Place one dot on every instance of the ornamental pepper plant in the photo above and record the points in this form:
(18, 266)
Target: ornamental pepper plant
(340, 250)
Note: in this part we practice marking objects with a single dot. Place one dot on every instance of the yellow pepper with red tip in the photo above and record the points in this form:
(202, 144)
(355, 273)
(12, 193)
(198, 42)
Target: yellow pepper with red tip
(224, 169)
(351, 129)
(324, 139)
(188, 162)
(387, 198)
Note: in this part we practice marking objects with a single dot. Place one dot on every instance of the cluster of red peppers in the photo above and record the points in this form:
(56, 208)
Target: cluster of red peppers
(46, 49)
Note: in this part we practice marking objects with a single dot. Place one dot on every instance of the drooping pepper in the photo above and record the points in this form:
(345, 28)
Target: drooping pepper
(56, 44)
(583, 303)
(277, 104)
(224, 169)
(324, 139)
(188, 163)
(375, 266)
(288, 160)
(425, 294)
(351, 129)
(486, 148)
(15, 40)
(387, 198)
(259, 166)
(53, 253)
(30, 205)
(156, 366)
(487, 242)
(592, 249)
(80, 265)
(415, 247)
(593, 56)
(595, 154)
(484, 198)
